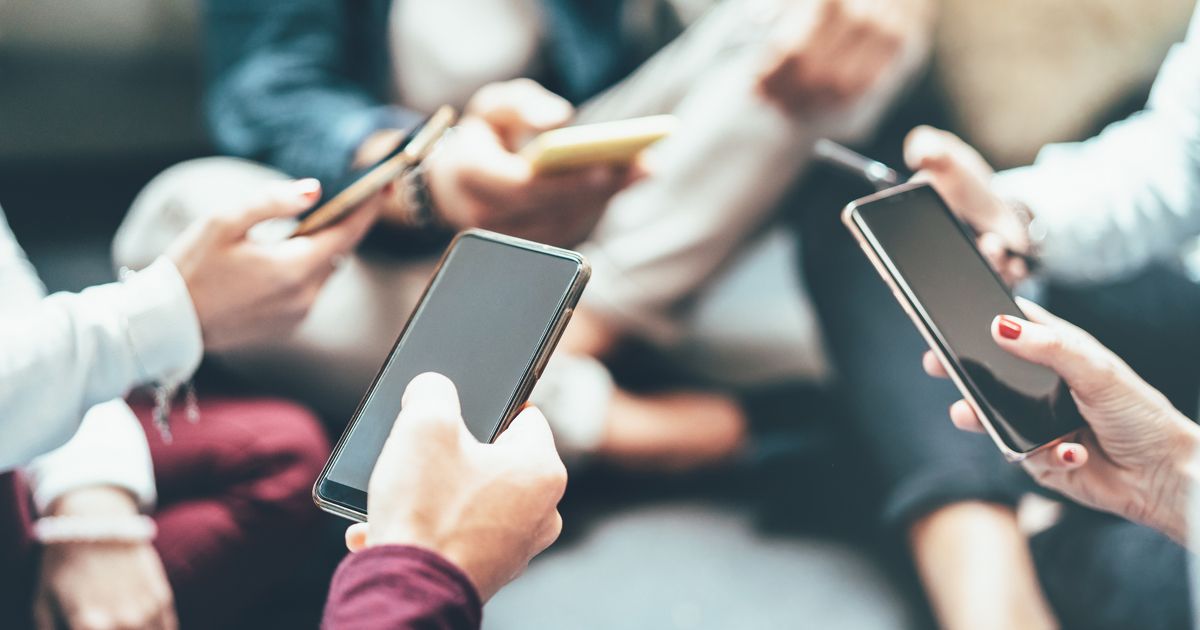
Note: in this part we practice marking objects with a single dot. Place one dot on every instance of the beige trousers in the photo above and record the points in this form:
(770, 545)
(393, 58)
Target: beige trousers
(683, 259)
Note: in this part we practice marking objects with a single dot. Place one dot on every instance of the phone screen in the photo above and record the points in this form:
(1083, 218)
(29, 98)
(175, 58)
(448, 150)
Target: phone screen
(484, 320)
(958, 295)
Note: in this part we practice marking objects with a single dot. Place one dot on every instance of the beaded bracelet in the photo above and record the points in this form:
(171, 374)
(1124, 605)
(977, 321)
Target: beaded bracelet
(52, 530)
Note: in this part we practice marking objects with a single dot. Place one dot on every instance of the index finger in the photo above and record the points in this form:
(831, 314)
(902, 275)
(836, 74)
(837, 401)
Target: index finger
(317, 251)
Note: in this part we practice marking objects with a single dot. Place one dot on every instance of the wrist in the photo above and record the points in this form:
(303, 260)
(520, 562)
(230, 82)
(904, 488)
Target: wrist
(102, 501)
(1168, 493)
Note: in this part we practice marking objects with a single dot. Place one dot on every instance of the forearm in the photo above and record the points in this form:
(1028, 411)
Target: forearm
(1106, 206)
(400, 587)
(72, 351)
(1172, 497)
(109, 450)
(977, 569)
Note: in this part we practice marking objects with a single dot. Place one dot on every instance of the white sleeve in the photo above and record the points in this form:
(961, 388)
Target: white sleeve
(63, 354)
(1112, 204)
(110, 449)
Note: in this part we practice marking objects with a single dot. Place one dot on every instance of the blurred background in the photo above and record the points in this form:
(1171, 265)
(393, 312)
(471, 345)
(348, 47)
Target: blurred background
(98, 97)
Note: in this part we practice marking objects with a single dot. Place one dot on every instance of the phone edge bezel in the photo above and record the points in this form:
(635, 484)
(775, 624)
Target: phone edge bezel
(549, 342)
(916, 312)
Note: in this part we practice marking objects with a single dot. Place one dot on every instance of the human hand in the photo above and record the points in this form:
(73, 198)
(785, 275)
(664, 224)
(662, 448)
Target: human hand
(828, 53)
(102, 585)
(246, 291)
(963, 178)
(476, 178)
(1135, 456)
(487, 508)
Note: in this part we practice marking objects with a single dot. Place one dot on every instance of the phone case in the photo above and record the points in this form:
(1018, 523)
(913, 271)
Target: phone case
(616, 142)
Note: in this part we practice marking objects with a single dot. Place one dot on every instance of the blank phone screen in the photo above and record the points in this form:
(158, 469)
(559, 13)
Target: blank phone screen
(482, 322)
(958, 296)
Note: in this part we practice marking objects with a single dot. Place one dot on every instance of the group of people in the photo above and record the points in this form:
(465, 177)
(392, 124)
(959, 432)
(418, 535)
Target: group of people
(134, 501)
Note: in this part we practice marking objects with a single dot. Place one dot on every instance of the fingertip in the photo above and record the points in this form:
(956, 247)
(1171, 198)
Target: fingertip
(308, 186)
(1070, 455)
(429, 388)
(963, 417)
(932, 365)
(356, 537)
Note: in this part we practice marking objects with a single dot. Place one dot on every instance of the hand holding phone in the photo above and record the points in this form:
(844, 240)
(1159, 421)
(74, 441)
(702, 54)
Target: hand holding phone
(1133, 458)
(487, 508)
(478, 179)
(347, 196)
(927, 257)
(489, 320)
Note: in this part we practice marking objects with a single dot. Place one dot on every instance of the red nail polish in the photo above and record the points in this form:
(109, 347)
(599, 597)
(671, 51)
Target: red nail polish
(1009, 329)
(1069, 454)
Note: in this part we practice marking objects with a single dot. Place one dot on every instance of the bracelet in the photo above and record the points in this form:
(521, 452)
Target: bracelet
(53, 530)
(417, 200)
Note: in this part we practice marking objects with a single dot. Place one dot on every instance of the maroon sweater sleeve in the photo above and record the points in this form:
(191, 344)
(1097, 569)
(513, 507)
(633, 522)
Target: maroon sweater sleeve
(397, 587)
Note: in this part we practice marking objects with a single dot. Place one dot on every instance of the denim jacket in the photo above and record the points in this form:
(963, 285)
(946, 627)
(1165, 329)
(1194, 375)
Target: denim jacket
(299, 84)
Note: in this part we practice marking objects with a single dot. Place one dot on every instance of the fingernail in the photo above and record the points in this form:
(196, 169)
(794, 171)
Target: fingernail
(1009, 329)
(548, 112)
(307, 186)
(1069, 454)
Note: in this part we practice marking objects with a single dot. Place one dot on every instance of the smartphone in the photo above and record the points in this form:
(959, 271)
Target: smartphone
(952, 295)
(617, 143)
(489, 320)
(345, 196)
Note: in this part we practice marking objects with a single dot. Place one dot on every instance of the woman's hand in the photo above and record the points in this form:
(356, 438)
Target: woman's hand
(476, 178)
(963, 178)
(102, 585)
(1134, 458)
(487, 508)
(246, 291)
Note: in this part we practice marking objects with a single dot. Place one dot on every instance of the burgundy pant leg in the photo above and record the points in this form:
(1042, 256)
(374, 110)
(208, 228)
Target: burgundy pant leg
(234, 502)
(18, 555)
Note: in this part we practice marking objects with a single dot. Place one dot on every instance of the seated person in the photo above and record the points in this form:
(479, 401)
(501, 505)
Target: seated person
(1100, 215)
(316, 87)
(228, 491)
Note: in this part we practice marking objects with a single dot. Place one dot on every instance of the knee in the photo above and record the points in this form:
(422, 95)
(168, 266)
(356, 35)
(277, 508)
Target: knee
(285, 455)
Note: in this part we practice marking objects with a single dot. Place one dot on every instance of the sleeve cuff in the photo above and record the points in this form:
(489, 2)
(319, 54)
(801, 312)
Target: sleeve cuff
(110, 449)
(164, 332)
(1026, 185)
(402, 586)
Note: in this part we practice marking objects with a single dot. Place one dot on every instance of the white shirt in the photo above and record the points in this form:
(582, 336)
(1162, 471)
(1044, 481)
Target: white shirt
(67, 359)
(1130, 195)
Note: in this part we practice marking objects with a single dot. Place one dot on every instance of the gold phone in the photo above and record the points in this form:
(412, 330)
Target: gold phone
(489, 320)
(618, 143)
(929, 259)
(347, 196)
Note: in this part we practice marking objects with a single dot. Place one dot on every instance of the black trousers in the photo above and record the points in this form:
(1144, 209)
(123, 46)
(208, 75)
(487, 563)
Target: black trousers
(1098, 571)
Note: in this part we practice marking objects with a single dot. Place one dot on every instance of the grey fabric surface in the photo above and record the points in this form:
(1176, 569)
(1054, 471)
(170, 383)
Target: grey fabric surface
(692, 565)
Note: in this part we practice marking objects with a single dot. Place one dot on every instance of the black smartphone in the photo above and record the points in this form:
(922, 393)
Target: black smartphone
(347, 194)
(489, 320)
(952, 295)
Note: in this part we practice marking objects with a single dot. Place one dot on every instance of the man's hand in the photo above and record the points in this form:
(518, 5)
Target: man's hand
(102, 585)
(245, 291)
(1134, 456)
(476, 178)
(488, 508)
(963, 178)
(828, 53)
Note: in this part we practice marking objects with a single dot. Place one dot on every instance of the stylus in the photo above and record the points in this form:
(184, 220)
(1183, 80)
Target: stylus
(876, 173)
